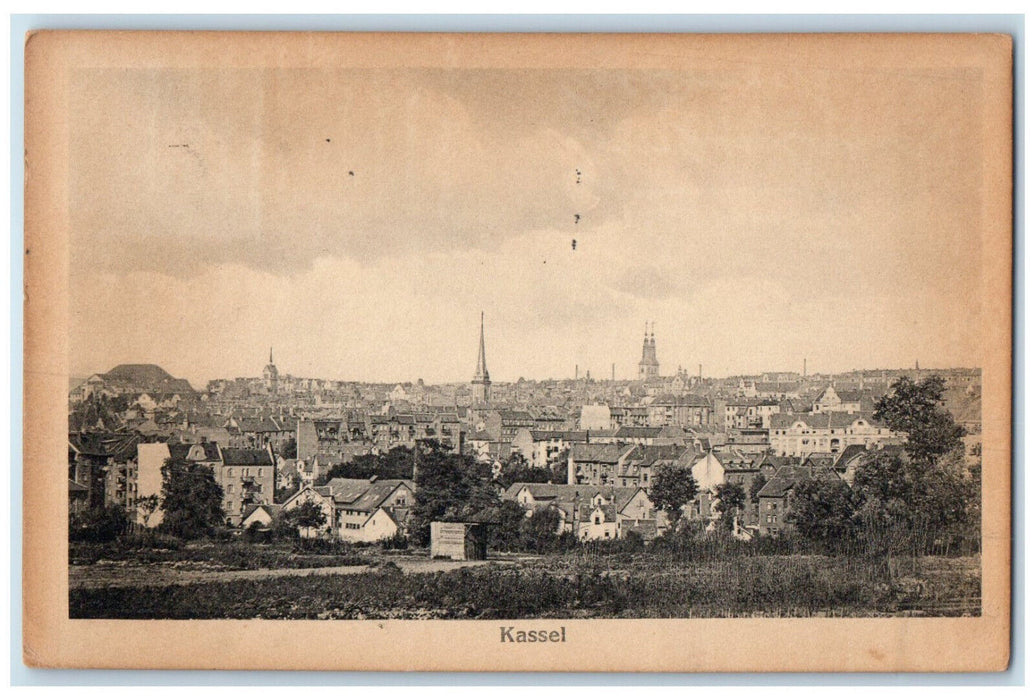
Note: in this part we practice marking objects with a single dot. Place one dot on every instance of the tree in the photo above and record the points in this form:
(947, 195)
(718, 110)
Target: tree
(450, 487)
(309, 516)
(517, 469)
(671, 488)
(397, 463)
(730, 503)
(192, 501)
(540, 529)
(146, 507)
(559, 468)
(903, 504)
(505, 534)
(914, 408)
(823, 511)
(98, 524)
(289, 450)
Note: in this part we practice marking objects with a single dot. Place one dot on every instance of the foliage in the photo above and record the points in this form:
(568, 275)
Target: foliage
(397, 541)
(146, 507)
(730, 503)
(823, 511)
(450, 487)
(206, 555)
(308, 515)
(913, 408)
(98, 524)
(505, 535)
(192, 501)
(926, 500)
(671, 488)
(569, 586)
(256, 533)
(539, 530)
(924, 505)
(396, 463)
(289, 450)
(757, 484)
(559, 468)
(517, 469)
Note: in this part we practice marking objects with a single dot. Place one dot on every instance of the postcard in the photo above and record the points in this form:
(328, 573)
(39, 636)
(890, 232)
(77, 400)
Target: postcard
(518, 352)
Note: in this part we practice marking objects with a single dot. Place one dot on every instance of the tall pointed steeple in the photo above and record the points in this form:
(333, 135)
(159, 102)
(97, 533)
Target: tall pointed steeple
(481, 384)
(649, 359)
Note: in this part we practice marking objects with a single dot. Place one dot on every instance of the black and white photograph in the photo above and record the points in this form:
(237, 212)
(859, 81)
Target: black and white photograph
(534, 332)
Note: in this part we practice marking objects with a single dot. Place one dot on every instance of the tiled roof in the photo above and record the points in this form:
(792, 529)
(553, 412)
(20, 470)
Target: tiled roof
(835, 420)
(609, 511)
(847, 455)
(786, 478)
(567, 493)
(606, 454)
(634, 432)
(120, 446)
(181, 450)
(566, 435)
(362, 494)
(246, 457)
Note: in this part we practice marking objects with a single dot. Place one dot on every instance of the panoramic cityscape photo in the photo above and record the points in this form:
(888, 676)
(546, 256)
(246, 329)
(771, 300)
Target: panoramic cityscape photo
(508, 343)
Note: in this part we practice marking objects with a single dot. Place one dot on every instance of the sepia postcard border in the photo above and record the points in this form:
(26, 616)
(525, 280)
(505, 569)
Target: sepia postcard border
(52, 640)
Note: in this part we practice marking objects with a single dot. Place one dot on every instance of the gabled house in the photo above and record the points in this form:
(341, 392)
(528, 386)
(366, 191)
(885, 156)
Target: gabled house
(361, 510)
(775, 498)
(590, 512)
(597, 464)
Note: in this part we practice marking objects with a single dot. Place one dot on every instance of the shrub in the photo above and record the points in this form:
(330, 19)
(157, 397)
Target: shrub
(151, 539)
(98, 525)
(396, 541)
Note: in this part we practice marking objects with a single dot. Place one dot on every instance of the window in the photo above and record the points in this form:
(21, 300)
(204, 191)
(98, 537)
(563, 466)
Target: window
(596, 520)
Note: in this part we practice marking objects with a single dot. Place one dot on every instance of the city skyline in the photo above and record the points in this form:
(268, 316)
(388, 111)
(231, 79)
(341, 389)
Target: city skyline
(481, 374)
(358, 220)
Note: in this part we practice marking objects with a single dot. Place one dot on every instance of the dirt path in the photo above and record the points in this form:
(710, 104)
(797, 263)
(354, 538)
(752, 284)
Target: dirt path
(116, 575)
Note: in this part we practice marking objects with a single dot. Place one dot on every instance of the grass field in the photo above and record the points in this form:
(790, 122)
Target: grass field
(565, 586)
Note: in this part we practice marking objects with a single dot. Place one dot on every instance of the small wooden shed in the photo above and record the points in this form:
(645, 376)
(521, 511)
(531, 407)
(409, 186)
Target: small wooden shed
(459, 541)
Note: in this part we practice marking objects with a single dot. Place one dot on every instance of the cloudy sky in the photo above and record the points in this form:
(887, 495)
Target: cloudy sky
(359, 220)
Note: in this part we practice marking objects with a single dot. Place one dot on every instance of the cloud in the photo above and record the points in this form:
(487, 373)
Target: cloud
(358, 221)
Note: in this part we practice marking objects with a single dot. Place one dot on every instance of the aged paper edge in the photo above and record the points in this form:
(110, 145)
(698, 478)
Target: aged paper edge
(715, 645)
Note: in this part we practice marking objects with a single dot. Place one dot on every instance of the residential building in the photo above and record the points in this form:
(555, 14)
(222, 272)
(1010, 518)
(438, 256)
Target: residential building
(801, 434)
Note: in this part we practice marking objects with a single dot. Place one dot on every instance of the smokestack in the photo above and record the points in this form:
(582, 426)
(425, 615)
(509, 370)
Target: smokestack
(700, 372)
(576, 372)
(804, 367)
(612, 371)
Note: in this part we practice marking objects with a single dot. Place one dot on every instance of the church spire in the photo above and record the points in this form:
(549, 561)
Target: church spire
(481, 371)
(481, 380)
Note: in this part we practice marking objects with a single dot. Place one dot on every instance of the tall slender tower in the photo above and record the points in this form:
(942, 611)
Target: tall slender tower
(649, 360)
(270, 375)
(481, 385)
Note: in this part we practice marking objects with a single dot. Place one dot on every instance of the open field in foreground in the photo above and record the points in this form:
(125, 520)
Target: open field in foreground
(562, 586)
